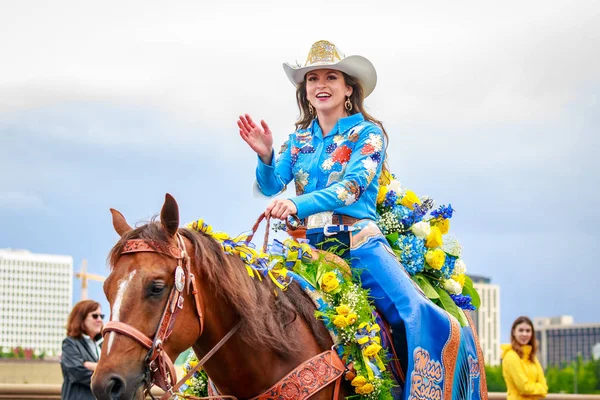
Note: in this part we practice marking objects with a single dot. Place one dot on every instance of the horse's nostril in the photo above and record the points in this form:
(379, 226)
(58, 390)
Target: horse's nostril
(115, 388)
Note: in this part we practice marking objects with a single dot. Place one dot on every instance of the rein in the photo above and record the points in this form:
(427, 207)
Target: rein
(159, 367)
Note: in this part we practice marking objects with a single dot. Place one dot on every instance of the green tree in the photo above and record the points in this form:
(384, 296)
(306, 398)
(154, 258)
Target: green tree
(579, 374)
(494, 378)
(586, 377)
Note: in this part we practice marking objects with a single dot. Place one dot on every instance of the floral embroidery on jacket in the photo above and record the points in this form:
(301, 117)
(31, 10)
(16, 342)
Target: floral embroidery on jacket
(331, 172)
(301, 180)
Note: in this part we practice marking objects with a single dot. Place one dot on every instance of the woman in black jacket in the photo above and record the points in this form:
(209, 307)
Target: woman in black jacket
(81, 350)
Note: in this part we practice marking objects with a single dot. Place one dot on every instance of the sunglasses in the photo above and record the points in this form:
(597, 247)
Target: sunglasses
(96, 316)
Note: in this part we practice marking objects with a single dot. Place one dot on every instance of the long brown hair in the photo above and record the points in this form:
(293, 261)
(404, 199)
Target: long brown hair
(532, 342)
(357, 99)
(75, 323)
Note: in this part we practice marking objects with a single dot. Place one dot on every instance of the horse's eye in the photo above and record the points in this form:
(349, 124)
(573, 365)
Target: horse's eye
(157, 288)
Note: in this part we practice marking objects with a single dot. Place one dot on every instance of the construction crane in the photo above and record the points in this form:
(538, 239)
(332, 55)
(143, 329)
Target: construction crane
(84, 276)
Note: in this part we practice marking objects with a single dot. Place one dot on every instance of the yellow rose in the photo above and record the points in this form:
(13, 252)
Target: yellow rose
(434, 239)
(340, 321)
(381, 194)
(351, 318)
(343, 309)
(358, 381)
(409, 199)
(372, 350)
(329, 282)
(366, 389)
(193, 363)
(460, 279)
(444, 226)
(435, 258)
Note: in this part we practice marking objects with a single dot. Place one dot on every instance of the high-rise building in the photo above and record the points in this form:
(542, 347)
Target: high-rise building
(487, 318)
(561, 341)
(36, 291)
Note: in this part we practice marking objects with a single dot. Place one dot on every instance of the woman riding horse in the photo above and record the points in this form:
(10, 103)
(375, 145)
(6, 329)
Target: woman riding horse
(336, 157)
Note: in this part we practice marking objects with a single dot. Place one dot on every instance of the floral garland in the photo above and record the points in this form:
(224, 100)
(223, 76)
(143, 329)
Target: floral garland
(197, 385)
(416, 233)
(348, 310)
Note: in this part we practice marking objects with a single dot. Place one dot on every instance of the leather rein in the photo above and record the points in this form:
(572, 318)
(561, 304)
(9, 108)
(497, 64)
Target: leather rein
(159, 369)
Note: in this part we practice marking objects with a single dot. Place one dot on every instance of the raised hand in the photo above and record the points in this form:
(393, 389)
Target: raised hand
(258, 137)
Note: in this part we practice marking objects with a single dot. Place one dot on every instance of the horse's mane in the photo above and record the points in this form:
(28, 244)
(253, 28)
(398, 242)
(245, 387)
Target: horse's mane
(264, 314)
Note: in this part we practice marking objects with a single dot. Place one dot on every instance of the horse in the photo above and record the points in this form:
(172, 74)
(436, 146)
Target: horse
(173, 288)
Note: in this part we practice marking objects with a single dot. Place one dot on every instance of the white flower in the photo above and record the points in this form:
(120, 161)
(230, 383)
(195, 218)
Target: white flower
(369, 164)
(345, 196)
(375, 141)
(452, 286)
(452, 246)
(460, 267)
(327, 164)
(421, 229)
(395, 186)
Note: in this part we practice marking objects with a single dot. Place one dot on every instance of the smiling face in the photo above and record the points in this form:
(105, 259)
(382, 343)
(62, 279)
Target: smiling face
(523, 333)
(326, 90)
(92, 324)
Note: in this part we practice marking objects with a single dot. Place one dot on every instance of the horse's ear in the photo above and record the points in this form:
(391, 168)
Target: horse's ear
(119, 223)
(169, 215)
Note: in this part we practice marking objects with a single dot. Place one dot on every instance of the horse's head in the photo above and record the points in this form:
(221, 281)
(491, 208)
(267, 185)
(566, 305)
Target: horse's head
(148, 284)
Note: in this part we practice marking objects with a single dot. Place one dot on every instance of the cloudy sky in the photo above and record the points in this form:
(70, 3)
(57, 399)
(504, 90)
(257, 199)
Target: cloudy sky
(490, 107)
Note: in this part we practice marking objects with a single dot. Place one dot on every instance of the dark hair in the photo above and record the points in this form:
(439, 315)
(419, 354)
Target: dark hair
(356, 98)
(532, 342)
(75, 323)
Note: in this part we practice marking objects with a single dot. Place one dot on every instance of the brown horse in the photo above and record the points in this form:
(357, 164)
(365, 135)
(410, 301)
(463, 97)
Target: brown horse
(277, 332)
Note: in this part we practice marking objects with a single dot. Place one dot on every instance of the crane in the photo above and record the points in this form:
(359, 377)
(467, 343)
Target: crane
(84, 276)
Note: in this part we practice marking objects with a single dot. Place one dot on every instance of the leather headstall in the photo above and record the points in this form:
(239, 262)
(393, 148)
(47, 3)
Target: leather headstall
(159, 367)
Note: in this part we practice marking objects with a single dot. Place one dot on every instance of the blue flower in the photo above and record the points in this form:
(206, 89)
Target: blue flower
(463, 301)
(411, 217)
(412, 250)
(307, 149)
(443, 212)
(448, 267)
(390, 199)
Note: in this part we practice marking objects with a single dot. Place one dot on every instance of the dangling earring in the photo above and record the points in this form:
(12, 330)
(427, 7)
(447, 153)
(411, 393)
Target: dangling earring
(348, 104)
(311, 110)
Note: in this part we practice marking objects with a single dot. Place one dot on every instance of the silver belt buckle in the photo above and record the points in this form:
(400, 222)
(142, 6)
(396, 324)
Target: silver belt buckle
(319, 220)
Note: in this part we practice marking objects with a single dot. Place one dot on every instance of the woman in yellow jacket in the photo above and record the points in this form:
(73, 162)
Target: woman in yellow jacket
(521, 369)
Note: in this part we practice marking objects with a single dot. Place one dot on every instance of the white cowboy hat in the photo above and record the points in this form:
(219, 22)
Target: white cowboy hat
(325, 55)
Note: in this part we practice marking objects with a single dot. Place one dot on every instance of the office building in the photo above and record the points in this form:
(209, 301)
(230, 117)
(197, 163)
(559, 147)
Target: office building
(487, 318)
(561, 341)
(35, 300)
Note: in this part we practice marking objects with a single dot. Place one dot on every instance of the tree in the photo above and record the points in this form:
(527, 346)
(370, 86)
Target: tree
(494, 378)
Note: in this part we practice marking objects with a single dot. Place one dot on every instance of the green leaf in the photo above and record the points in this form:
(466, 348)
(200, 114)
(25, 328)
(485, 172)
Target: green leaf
(448, 305)
(392, 237)
(426, 286)
(468, 289)
(463, 318)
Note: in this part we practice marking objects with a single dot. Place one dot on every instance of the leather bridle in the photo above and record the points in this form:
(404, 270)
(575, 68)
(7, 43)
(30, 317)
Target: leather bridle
(159, 369)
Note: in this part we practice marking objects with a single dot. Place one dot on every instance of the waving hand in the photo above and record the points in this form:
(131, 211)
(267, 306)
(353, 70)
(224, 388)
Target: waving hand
(258, 137)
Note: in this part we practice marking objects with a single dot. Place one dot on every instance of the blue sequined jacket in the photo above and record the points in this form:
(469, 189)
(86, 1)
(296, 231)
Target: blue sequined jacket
(338, 172)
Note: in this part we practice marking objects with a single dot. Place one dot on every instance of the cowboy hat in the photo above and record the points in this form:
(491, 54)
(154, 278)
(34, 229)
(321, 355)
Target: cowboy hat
(326, 55)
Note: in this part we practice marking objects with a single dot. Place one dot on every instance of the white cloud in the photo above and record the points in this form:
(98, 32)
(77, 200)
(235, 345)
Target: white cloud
(436, 62)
